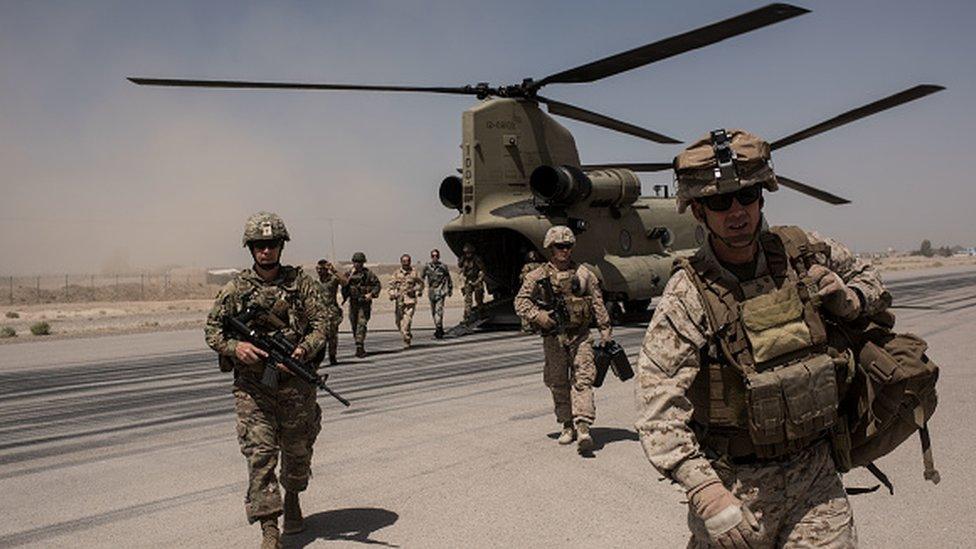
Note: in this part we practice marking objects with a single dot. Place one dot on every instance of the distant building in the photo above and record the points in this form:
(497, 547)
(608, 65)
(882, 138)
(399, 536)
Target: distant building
(221, 276)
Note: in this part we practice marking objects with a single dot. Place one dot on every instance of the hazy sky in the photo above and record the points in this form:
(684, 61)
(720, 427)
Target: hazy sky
(96, 170)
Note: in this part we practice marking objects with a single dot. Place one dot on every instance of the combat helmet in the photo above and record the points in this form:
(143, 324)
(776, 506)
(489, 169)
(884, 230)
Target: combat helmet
(558, 234)
(359, 257)
(264, 226)
(722, 162)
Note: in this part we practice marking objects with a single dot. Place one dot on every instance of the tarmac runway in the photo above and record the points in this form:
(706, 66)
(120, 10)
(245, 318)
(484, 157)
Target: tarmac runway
(129, 441)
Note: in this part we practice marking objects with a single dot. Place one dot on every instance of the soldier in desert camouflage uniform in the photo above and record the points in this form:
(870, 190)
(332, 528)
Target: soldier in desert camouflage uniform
(736, 390)
(405, 287)
(472, 269)
(569, 370)
(531, 263)
(439, 287)
(331, 280)
(284, 419)
(363, 287)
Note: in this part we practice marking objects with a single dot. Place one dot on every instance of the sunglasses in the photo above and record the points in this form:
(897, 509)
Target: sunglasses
(265, 244)
(563, 246)
(722, 202)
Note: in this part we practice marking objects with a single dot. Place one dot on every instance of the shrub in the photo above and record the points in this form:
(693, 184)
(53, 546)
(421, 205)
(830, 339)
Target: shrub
(7, 331)
(40, 328)
(12, 314)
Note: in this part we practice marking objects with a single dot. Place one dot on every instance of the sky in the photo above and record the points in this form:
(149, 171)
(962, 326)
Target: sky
(97, 174)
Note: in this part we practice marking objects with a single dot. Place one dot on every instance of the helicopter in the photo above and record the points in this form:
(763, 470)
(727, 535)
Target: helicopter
(521, 174)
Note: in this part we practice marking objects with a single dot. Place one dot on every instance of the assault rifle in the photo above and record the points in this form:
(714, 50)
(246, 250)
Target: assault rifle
(548, 299)
(279, 351)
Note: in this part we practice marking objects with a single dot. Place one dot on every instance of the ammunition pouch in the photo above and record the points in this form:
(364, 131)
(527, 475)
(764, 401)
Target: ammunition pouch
(790, 406)
(579, 313)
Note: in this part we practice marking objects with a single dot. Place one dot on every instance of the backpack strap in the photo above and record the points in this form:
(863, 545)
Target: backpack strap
(931, 473)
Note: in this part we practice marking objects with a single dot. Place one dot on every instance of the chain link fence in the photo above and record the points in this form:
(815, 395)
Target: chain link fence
(74, 288)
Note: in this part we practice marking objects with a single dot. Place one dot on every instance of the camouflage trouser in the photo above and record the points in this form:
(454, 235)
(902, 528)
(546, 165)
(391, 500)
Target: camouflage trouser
(437, 310)
(800, 502)
(404, 319)
(358, 318)
(289, 422)
(474, 296)
(569, 373)
(332, 333)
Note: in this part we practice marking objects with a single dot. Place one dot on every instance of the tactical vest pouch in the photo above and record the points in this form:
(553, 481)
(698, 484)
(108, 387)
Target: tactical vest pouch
(792, 403)
(579, 312)
(774, 324)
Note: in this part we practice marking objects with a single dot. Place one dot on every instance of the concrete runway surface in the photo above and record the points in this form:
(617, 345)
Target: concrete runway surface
(129, 441)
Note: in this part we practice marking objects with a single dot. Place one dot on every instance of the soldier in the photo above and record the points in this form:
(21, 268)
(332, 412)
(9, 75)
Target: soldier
(405, 287)
(439, 287)
(361, 289)
(286, 419)
(531, 263)
(736, 394)
(473, 281)
(331, 280)
(569, 369)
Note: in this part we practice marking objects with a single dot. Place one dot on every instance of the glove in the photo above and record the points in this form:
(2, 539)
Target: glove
(544, 320)
(838, 298)
(729, 522)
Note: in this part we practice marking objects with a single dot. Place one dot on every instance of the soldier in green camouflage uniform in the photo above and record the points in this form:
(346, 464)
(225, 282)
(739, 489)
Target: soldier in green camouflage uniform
(472, 269)
(285, 419)
(363, 287)
(440, 287)
(531, 263)
(736, 390)
(331, 280)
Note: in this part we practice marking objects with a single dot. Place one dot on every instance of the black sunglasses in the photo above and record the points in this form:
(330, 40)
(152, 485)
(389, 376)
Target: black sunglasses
(265, 244)
(563, 246)
(722, 202)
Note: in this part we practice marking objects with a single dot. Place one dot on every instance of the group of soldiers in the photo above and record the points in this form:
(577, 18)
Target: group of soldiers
(359, 286)
(747, 443)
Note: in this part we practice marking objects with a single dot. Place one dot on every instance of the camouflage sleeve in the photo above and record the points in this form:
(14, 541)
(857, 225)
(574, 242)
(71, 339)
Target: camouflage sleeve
(418, 283)
(374, 284)
(596, 299)
(859, 275)
(450, 280)
(214, 329)
(318, 315)
(394, 290)
(669, 360)
(525, 306)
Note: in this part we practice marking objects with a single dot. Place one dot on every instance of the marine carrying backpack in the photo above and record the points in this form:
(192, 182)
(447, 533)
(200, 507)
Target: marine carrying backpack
(889, 395)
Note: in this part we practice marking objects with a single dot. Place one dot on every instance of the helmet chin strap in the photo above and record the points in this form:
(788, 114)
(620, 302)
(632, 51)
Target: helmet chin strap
(729, 243)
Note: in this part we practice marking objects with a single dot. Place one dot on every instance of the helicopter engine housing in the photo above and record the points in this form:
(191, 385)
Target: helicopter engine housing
(568, 185)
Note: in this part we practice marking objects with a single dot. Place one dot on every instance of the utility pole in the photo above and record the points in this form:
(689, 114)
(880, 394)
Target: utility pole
(332, 236)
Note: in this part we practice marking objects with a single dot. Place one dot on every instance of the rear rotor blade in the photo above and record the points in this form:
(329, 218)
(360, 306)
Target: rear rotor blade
(597, 119)
(243, 84)
(811, 191)
(899, 98)
(669, 47)
(632, 166)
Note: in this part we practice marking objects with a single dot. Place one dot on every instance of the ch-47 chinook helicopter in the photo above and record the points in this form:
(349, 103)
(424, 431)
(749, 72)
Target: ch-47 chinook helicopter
(521, 173)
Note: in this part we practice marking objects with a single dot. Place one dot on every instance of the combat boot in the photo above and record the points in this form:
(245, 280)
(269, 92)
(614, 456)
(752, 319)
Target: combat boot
(294, 521)
(333, 360)
(360, 350)
(270, 537)
(568, 434)
(584, 442)
(438, 333)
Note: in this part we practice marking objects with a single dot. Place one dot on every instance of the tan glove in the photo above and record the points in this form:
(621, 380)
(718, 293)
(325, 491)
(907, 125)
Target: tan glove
(838, 298)
(544, 320)
(729, 522)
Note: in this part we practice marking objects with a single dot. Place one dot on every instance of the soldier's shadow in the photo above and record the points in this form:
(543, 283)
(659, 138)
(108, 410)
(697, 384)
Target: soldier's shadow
(356, 524)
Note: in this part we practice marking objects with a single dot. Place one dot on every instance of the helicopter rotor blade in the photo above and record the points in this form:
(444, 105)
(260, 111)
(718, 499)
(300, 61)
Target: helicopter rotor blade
(632, 166)
(243, 84)
(891, 101)
(597, 119)
(819, 194)
(662, 49)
